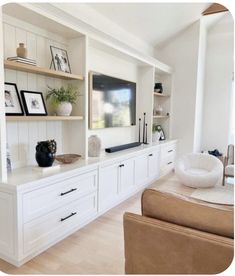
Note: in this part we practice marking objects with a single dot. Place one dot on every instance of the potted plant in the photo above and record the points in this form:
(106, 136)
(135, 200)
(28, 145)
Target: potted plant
(62, 99)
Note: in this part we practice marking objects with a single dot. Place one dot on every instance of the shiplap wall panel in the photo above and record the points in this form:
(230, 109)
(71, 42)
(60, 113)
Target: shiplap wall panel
(22, 137)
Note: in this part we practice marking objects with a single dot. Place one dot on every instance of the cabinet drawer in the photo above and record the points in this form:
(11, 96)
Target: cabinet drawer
(42, 201)
(168, 150)
(48, 228)
(167, 164)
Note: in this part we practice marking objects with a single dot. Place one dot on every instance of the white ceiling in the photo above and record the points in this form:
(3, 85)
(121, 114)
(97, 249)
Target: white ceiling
(154, 23)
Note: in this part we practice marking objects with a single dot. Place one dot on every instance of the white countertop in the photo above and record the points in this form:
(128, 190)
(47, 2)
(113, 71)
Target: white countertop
(27, 175)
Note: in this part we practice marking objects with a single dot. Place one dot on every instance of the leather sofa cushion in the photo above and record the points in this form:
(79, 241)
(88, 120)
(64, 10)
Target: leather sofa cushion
(189, 212)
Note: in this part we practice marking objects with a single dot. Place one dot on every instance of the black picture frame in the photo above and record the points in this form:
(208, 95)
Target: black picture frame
(38, 96)
(60, 63)
(18, 99)
(162, 134)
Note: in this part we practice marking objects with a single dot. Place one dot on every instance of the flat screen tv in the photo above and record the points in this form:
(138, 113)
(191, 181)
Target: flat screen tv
(112, 102)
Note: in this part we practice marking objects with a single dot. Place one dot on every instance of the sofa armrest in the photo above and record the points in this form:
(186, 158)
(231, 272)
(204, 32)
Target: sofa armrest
(156, 247)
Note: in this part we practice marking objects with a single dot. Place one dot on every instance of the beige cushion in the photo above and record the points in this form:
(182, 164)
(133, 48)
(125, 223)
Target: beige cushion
(229, 170)
(185, 211)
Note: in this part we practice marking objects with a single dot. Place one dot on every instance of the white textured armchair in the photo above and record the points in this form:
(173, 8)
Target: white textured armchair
(199, 170)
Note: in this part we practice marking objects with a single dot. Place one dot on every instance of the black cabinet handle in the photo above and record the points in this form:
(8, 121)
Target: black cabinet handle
(170, 150)
(169, 163)
(122, 165)
(150, 154)
(70, 191)
(69, 216)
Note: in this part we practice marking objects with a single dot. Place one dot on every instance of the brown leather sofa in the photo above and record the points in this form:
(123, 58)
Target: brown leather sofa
(178, 235)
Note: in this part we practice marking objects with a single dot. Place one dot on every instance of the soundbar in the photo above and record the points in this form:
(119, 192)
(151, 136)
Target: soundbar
(123, 147)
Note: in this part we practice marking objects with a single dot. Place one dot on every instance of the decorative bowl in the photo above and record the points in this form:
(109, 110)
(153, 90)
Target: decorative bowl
(67, 158)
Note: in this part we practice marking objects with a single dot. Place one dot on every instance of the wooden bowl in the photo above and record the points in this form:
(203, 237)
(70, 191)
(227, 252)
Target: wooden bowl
(67, 158)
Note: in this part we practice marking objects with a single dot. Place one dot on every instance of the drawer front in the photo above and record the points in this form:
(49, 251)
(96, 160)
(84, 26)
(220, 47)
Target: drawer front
(168, 150)
(167, 164)
(42, 201)
(48, 228)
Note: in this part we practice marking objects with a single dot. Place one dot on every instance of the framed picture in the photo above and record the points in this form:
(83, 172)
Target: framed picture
(60, 59)
(13, 105)
(161, 132)
(34, 104)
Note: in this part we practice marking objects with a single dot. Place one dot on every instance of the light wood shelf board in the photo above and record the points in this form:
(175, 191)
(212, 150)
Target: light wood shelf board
(161, 117)
(161, 95)
(40, 70)
(43, 118)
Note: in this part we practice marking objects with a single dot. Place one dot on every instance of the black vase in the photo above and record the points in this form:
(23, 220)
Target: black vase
(45, 153)
(45, 159)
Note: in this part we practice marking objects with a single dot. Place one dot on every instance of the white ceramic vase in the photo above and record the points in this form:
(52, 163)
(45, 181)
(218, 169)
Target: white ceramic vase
(94, 146)
(64, 109)
(156, 136)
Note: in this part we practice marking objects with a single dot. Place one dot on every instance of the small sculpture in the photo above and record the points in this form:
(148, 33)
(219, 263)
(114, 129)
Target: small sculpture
(45, 153)
(158, 87)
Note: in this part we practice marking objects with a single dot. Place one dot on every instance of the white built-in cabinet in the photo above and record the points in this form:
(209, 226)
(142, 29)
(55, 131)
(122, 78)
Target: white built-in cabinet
(37, 210)
(37, 213)
(6, 223)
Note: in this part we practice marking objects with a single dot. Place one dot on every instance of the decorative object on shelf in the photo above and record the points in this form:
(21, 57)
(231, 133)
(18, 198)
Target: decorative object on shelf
(34, 104)
(146, 134)
(139, 128)
(156, 134)
(21, 51)
(23, 60)
(60, 59)
(158, 87)
(144, 127)
(9, 168)
(62, 99)
(67, 158)
(45, 153)
(94, 146)
(13, 105)
(159, 111)
(161, 132)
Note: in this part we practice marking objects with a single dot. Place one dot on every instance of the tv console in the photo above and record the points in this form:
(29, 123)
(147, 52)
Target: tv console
(123, 147)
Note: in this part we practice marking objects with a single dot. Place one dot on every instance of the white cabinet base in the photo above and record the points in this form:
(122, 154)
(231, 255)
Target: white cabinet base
(37, 216)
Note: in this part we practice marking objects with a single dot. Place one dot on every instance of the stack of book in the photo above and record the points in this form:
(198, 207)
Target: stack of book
(23, 60)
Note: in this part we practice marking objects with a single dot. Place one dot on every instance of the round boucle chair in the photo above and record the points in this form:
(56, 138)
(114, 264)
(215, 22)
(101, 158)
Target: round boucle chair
(199, 170)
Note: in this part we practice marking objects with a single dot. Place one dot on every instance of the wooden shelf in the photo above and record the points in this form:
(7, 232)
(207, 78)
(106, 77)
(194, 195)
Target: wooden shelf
(161, 117)
(160, 94)
(42, 118)
(40, 70)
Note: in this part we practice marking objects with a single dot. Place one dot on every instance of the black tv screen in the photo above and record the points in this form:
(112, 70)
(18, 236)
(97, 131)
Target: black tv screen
(112, 102)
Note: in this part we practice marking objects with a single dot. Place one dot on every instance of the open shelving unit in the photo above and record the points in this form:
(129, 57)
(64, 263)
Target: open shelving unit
(161, 116)
(160, 94)
(163, 100)
(86, 53)
(40, 70)
(42, 118)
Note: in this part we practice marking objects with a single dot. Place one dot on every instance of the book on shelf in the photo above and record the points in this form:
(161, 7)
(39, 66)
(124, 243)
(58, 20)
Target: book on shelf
(22, 60)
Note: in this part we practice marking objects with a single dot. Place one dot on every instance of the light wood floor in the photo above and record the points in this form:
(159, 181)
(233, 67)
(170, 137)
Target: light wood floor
(98, 248)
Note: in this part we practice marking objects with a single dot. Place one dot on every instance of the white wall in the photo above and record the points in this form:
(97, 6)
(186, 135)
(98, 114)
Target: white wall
(182, 54)
(102, 62)
(218, 84)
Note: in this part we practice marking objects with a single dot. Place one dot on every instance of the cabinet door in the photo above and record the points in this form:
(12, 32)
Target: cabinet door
(127, 176)
(154, 164)
(141, 169)
(6, 224)
(108, 186)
